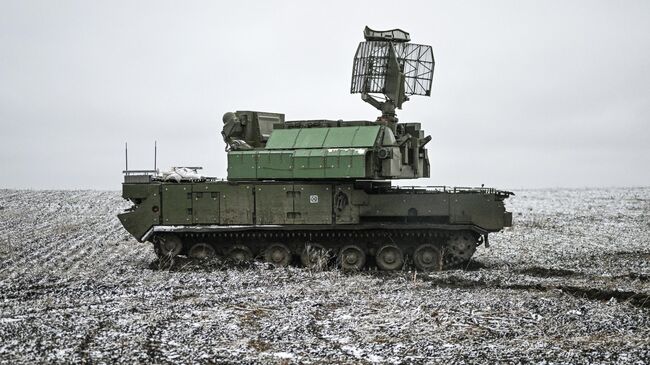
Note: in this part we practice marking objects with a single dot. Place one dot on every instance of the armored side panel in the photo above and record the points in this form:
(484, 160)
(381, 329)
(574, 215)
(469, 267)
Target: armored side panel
(307, 153)
(274, 204)
(314, 203)
(206, 203)
(237, 204)
(177, 204)
(159, 204)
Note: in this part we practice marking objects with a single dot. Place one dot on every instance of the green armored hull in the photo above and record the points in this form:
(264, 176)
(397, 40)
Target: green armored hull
(319, 191)
(244, 220)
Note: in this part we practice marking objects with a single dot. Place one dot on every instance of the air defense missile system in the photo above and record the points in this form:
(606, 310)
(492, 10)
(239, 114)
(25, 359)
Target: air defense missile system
(304, 191)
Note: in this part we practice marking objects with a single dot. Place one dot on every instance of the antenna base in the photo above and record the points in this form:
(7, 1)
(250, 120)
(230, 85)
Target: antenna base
(387, 108)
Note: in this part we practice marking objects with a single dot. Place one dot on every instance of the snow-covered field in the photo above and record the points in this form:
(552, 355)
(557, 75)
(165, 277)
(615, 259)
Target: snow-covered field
(569, 283)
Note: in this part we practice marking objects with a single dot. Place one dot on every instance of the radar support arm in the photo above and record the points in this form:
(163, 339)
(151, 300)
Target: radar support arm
(372, 101)
(386, 107)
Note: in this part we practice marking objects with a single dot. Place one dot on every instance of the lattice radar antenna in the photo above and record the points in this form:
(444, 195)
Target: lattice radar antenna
(386, 63)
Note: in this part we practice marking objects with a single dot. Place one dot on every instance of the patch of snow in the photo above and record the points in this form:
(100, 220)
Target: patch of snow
(284, 355)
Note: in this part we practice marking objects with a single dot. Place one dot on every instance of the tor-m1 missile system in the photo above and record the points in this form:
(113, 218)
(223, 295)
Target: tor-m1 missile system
(305, 191)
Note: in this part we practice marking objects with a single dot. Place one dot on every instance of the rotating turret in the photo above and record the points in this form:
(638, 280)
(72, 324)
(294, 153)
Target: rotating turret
(387, 71)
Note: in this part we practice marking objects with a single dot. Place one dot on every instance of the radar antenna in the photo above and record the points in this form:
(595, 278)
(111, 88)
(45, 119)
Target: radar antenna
(386, 63)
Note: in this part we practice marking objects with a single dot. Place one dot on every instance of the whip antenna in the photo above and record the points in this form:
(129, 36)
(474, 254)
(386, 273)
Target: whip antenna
(126, 156)
(155, 155)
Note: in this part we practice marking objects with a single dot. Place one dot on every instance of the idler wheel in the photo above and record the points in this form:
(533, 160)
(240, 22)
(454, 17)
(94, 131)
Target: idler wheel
(278, 255)
(239, 253)
(389, 257)
(168, 245)
(201, 251)
(315, 256)
(427, 258)
(352, 258)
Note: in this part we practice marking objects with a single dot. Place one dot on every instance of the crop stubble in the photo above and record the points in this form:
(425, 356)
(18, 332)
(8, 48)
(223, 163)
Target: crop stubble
(568, 283)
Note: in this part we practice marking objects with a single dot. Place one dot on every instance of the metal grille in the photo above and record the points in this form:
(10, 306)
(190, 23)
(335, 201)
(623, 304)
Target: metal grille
(371, 64)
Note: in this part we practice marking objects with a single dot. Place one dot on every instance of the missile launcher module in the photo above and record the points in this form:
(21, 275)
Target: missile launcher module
(319, 191)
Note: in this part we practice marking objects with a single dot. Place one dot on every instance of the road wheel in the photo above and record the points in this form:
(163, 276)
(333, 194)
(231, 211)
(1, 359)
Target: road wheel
(278, 255)
(239, 254)
(427, 258)
(315, 256)
(352, 258)
(389, 257)
(201, 251)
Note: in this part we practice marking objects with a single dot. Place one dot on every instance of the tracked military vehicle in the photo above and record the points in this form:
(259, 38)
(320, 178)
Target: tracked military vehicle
(300, 191)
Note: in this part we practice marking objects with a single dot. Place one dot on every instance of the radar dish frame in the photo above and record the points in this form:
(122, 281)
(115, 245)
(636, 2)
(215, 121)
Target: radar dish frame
(370, 69)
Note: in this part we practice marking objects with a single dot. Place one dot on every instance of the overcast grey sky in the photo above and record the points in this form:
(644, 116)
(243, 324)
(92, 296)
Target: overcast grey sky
(525, 94)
